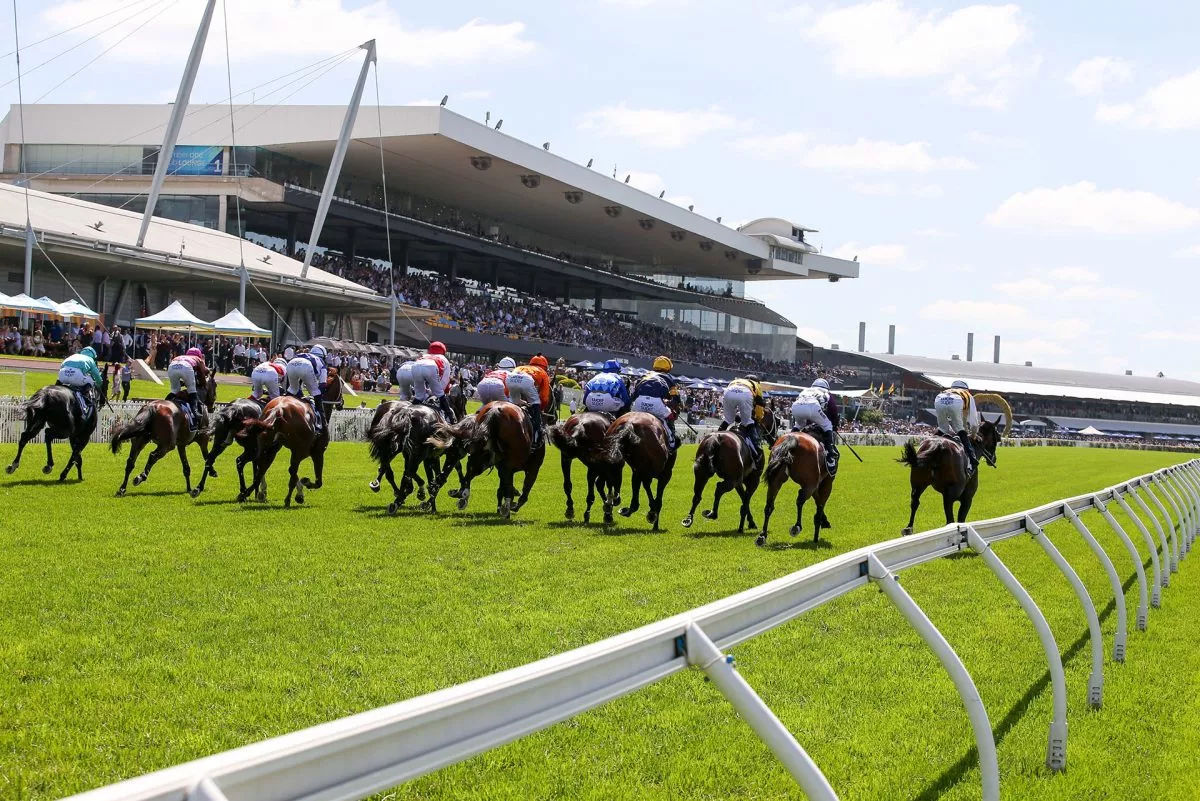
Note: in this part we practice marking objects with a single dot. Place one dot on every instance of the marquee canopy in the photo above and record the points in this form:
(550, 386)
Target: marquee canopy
(174, 318)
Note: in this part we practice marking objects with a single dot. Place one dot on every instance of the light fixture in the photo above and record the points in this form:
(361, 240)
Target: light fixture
(691, 208)
(444, 99)
(531, 181)
(706, 246)
(646, 223)
(574, 197)
(662, 194)
(718, 219)
(677, 235)
(498, 124)
(589, 163)
(481, 162)
(627, 177)
(487, 118)
(546, 146)
(612, 211)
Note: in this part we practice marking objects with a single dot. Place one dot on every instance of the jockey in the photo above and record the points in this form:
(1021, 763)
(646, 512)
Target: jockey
(816, 405)
(404, 380)
(431, 376)
(606, 391)
(79, 373)
(265, 378)
(656, 393)
(494, 385)
(743, 399)
(308, 371)
(531, 383)
(957, 416)
(183, 372)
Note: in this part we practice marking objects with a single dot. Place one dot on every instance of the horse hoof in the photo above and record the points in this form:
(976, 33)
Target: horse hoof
(392, 507)
(374, 485)
(904, 532)
(651, 517)
(760, 540)
(420, 493)
(687, 522)
(425, 506)
(795, 532)
(12, 468)
(212, 472)
(287, 503)
(454, 493)
(195, 493)
(570, 513)
(708, 514)
(462, 504)
(587, 518)
(241, 498)
(625, 511)
(300, 500)
(120, 492)
(46, 470)
(137, 480)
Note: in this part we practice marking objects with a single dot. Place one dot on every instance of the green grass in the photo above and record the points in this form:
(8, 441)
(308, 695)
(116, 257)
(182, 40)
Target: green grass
(141, 632)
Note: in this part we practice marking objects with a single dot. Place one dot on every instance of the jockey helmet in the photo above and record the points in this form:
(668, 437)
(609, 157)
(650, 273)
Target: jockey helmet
(821, 383)
(507, 363)
(87, 351)
(959, 384)
(280, 360)
(195, 352)
(752, 377)
(436, 348)
(663, 365)
(611, 366)
(540, 361)
(318, 351)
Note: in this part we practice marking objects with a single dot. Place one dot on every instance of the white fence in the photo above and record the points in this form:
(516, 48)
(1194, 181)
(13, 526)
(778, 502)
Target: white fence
(369, 752)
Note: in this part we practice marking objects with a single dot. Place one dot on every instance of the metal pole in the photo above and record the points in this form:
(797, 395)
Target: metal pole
(243, 276)
(1187, 523)
(703, 653)
(176, 120)
(1056, 749)
(1168, 558)
(1143, 611)
(1114, 580)
(1188, 491)
(392, 325)
(339, 154)
(985, 743)
(1179, 524)
(1186, 477)
(1096, 679)
(1177, 555)
(206, 790)
(29, 242)
(1156, 592)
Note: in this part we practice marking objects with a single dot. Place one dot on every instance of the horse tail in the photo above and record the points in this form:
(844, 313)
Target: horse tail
(267, 423)
(561, 439)
(615, 443)
(911, 457)
(138, 426)
(781, 457)
(487, 433)
(444, 434)
(385, 437)
(706, 454)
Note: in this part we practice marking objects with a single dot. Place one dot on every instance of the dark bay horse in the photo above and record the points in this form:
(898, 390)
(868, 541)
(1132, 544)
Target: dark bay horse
(940, 462)
(729, 457)
(640, 440)
(500, 436)
(54, 409)
(404, 429)
(289, 422)
(458, 399)
(801, 458)
(227, 426)
(581, 437)
(163, 423)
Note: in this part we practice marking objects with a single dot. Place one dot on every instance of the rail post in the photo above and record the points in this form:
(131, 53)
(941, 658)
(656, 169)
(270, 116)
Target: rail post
(1143, 611)
(985, 743)
(703, 653)
(1180, 523)
(1176, 556)
(1056, 749)
(1169, 565)
(1187, 489)
(1187, 521)
(1156, 592)
(206, 790)
(1114, 580)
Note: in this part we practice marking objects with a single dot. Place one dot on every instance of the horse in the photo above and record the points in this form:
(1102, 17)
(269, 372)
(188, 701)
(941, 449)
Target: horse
(640, 440)
(729, 457)
(163, 423)
(500, 435)
(581, 437)
(289, 422)
(404, 429)
(54, 408)
(458, 399)
(228, 425)
(800, 457)
(940, 462)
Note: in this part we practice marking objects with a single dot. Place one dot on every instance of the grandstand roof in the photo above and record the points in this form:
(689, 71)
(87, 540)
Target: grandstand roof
(1126, 426)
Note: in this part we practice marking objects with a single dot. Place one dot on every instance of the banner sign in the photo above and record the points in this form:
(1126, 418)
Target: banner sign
(196, 160)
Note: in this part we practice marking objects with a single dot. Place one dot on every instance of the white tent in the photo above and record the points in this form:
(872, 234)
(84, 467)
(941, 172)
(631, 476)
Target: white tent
(1092, 431)
(173, 318)
(73, 308)
(24, 303)
(237, 324)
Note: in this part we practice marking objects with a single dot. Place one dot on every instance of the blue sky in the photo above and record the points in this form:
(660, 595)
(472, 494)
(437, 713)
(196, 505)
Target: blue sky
(1025, 170)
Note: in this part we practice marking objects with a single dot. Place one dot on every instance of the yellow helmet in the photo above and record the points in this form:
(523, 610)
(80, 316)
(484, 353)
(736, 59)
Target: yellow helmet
(663, 365)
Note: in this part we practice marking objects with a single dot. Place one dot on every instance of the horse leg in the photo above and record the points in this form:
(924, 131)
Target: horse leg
(702, 477)
(159, 452)
(49, 455)
(750, 485)
(531, 474)
(592, 478)
(135, 447)
(565, 460)
(76, 460)
(29, 433)
(964, 504)
(820, 519)
(241, 462)
(948, 507)
(773, 485)
(431, 471)
(635, 482)
(914, 503)
(294, 485)
(504, 492)
(656, 509)
(801, 498)
(187, 468)
(318, 460)
(723, 486)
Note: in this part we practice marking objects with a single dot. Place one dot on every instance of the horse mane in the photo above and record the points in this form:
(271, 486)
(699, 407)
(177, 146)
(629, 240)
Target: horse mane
(444, 434)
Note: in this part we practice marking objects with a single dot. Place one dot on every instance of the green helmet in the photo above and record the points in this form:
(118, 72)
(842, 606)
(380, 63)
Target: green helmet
(88, 352)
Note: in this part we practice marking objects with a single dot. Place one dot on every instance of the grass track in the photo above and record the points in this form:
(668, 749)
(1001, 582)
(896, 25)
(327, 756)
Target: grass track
(137, 633)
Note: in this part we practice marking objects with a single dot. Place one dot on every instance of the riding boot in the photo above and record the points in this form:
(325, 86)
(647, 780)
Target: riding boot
(831, 452)
(535, 417)
(672, 436)
(447, 410)
(723, 427)
(753, 437)
(969, 449)
(194, 408)
(318, 407)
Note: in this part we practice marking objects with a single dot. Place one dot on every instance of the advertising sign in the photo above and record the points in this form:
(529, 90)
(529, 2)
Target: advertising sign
(196, 160)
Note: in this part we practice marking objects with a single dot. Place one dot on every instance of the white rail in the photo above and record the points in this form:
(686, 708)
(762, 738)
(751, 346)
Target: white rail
(359, 755)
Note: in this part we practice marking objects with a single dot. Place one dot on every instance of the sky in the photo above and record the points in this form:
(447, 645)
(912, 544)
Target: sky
(1026, 170)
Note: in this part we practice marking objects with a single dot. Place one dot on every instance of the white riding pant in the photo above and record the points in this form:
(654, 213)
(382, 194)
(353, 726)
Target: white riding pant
(948, 406)
(735, 402)
(521, 387)
(264, 377)
(74, 378)
(300, 373)
(181, 374)
(490, 389)
(809, 410)
(404, 381)
(602, 402)
(426, 380)
(651, 405)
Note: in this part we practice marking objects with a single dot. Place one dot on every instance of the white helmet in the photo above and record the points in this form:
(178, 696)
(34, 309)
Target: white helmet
(318, 351)
(959, 384)
(507, 363)
(280, 360)
(821, 383)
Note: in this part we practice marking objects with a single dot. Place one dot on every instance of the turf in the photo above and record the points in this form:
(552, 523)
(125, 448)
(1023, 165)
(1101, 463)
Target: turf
(140, 632)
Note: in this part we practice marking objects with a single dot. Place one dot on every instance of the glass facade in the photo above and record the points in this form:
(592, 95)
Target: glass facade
(197, 210)
(90, 159)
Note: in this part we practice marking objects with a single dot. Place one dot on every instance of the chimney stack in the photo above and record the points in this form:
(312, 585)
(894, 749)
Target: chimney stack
(996, 351)
(970, 347)
(891, 339)
(862, 337)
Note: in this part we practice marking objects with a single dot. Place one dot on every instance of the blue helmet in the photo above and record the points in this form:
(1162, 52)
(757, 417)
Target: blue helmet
(89, 352)
(611, 366)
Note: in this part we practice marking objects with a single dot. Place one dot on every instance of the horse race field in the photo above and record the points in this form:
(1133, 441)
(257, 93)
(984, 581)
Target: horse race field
(139, 632)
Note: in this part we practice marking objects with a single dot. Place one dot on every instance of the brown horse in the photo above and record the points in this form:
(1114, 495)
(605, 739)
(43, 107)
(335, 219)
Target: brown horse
(801, 458)
(582, 437)
(290, 422)
(500, 436)
(729, 457)
(940, 462)
(164, 423)
(640, 440)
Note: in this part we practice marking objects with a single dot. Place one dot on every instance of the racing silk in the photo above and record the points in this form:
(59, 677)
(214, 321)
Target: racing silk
(610, 384)
(445, 374)
(755, 390)
(196, 363)
(86, 365)
(277, 367)
(827, 401)
(501, 374)
(658, 385)
(970, 413)
(318, 365)
(540, 378)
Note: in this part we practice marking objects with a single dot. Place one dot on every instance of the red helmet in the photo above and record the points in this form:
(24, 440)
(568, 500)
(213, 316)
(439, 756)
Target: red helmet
(540, 361)
(437, 348)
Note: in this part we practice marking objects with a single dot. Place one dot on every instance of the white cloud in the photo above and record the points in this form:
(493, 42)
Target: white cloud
(1084, 207)
(815, 336)
(1094, 292)
(1032, 349)
(1171, 336)
(972, 47)
(1025, 288)
(1173, 105)
(658, 127)
(1075, 274)
(985, 312)
(778, 146)
(1090, 77)
(1192, 252)
(882, 156)
(996, 141)
(872, 254)
(301, 28)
